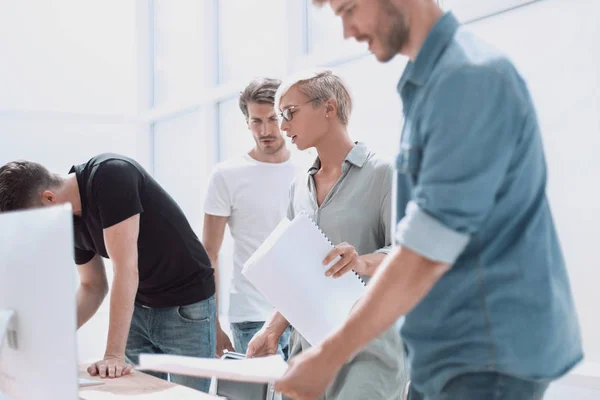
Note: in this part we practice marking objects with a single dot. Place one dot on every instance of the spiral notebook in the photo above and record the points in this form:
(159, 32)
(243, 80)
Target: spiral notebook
(288, 270)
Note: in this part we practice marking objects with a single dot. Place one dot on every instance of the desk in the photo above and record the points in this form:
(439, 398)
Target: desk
(137, 386)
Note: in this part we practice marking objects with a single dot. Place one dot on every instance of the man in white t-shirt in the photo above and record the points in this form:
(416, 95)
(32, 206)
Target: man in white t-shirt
(250, 193)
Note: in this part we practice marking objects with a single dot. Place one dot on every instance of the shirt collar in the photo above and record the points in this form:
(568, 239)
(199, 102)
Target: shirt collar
(357, 156)
(419, 71)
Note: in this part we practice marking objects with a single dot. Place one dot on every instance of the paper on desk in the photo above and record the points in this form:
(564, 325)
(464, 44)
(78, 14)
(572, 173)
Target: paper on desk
(258, 370)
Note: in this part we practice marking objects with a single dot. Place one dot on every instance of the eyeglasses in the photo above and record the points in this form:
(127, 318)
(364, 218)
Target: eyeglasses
(288, 113)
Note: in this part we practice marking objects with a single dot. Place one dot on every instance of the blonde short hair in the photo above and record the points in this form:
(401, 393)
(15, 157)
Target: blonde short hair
(320, 85)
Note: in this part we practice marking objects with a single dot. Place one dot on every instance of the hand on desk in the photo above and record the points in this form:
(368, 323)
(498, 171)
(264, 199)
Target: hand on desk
(110, 367)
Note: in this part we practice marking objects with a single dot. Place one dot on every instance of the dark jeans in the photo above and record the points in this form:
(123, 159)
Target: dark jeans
(486, 386)
(186, 331)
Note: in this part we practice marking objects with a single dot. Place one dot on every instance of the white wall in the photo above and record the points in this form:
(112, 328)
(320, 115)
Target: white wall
(69, 83)
(183, 158)
(58, 142)
(68, 56)
(377, 109)
(560, 391)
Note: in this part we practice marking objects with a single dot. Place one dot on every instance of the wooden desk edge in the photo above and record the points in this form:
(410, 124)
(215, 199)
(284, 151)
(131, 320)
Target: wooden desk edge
(137, 384)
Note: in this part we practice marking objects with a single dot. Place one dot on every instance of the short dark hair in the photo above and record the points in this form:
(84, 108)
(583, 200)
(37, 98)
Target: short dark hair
(261, 91)
(20, 183)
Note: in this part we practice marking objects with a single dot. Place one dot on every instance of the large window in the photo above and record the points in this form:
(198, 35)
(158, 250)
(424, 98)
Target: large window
(180, 63)
(326, 36)
(68, 56)
(234, 137)
(58, 143)
(251, 39)
(377, 111)
(183, 158)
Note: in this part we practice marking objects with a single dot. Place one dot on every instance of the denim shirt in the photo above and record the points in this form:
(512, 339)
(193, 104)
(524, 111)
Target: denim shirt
(472, 149)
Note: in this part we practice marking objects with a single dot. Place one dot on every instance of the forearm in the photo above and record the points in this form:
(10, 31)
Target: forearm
(372, 262)
(403, 279)
(214, 262)
(277, 323)
(122, 299)
(88, 300)
(213, 233)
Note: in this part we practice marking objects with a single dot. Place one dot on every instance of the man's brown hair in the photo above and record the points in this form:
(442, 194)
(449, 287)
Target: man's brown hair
(21, 182)
(260, 91)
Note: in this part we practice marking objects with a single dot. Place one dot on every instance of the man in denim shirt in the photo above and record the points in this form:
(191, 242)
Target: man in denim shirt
(478, 272)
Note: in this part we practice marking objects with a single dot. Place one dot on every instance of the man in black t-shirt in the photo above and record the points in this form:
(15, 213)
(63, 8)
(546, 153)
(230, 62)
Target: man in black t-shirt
(162, 298)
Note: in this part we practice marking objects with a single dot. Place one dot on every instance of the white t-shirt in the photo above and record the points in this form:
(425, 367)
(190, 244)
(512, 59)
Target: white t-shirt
(254, 195)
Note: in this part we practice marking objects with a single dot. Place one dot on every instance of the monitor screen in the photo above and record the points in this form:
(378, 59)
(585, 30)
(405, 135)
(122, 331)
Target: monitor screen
(37, 282)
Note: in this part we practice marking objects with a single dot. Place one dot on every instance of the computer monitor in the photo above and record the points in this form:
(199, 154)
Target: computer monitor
(37, 282)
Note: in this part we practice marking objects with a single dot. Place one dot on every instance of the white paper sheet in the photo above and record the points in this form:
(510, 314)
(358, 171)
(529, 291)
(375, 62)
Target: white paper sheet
(258, 370)
(287, 269)
(84, 382)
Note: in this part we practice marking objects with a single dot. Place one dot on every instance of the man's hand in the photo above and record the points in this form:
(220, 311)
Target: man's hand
(110, 367)
(309, 374)
(264, 343)
(223, 342)
(349, 260)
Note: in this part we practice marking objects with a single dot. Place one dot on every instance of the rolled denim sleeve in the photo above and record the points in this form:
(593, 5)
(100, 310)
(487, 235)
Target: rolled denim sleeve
(427, 236)
(468, 129)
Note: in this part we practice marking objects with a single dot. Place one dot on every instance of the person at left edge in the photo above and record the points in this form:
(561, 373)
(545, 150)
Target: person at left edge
(162, 298)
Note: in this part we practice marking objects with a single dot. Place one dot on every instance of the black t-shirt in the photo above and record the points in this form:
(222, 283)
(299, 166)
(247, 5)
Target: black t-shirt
(174, 269)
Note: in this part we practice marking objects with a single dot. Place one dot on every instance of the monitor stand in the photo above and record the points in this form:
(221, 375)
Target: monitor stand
(8, 329)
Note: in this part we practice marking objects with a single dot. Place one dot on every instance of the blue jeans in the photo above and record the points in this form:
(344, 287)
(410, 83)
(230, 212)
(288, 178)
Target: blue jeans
(243, 332)
(185, 330)
(488, 386)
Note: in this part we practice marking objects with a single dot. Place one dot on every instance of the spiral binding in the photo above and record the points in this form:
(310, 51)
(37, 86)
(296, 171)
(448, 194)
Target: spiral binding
(329, 241)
